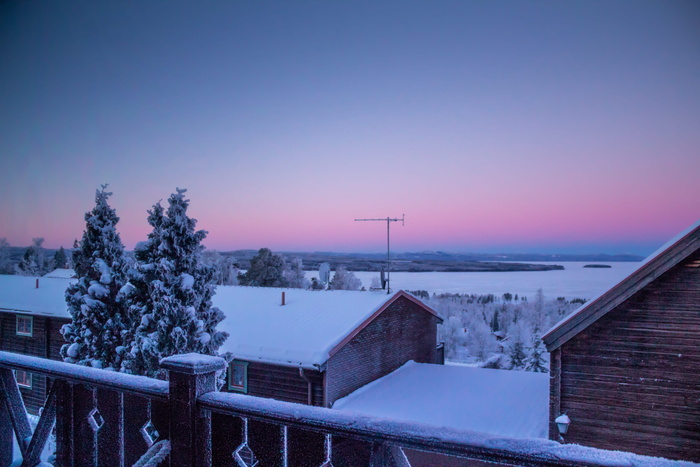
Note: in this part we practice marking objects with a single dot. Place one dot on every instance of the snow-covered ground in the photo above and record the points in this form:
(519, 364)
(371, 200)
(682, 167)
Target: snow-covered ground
(504, 403)
(49, 447)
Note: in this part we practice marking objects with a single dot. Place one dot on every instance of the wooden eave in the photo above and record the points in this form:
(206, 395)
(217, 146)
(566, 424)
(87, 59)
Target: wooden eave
(646, 274)
(386, 305)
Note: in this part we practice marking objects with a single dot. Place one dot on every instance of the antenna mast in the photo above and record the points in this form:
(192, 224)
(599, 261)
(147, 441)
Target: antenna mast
(388, 221)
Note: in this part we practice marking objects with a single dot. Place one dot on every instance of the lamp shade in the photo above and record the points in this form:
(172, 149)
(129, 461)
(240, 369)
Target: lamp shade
(563, 421)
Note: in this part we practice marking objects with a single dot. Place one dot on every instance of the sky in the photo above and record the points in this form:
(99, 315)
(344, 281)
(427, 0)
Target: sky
(494, 126)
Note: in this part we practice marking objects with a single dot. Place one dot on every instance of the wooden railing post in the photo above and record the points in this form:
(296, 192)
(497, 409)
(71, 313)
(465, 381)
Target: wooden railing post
(190, 376)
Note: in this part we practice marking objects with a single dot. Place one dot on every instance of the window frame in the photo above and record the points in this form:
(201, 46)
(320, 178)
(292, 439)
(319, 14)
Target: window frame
(23, 384)
(244, 366)
(29, 333)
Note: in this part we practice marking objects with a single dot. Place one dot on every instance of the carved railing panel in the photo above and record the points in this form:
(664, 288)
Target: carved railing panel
(85, 436)
(93, 426)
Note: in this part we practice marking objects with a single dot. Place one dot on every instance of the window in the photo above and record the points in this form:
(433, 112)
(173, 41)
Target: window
(24, 326)
(24, 379)
(238, 376)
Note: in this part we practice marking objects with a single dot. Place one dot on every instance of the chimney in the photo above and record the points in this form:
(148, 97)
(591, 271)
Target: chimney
(37, 281)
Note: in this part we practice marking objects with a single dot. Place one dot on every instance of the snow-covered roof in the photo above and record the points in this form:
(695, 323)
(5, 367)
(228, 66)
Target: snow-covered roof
(60, 273)
(670, 254)
(512, 404)
(304, 332)
(20, 293)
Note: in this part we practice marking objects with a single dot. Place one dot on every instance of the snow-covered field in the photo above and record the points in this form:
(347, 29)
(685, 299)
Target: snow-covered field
(574, 281)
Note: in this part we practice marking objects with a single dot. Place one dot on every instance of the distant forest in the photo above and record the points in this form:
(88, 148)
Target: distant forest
(430, 261)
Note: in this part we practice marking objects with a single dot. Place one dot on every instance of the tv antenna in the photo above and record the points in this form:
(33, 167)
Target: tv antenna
(388, 221)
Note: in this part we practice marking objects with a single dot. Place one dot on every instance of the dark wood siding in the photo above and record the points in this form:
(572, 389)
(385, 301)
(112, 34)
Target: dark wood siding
(631, 381)
(45, 342)
(404, 331)
(284, 383)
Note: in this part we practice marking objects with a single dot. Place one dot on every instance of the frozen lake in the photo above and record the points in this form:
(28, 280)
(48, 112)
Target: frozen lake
(574, 281)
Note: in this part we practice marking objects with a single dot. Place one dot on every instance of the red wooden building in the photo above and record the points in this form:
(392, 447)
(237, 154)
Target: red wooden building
(625, 367)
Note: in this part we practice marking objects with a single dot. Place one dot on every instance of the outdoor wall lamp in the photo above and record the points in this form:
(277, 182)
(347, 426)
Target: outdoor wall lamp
(563, 421)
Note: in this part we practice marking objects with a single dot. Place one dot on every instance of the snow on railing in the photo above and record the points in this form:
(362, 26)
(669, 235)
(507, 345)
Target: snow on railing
(415, 436)
(107, 418)
(138, 385)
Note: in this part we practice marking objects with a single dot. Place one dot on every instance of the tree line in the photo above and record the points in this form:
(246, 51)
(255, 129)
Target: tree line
(35, 261)
(498, 331)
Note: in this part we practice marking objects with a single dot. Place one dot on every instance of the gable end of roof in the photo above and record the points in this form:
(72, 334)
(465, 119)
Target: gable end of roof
(381, 309)
(658, 264)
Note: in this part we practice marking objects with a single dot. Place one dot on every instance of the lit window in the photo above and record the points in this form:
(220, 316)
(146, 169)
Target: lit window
(24, 326)
(238, 376)
(24, 379)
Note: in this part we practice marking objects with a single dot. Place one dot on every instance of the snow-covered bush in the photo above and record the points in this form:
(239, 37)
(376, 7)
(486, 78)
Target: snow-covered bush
(34, 261)
(344, 280)
(5, 262)
(225, 267)
(295, 275)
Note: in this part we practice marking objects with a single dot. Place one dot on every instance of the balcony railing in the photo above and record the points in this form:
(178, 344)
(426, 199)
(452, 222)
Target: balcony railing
(113, 419)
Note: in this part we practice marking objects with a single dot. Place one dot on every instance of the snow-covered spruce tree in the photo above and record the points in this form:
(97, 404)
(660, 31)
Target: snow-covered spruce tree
(100, 325)
(171, 288)
(536, 361)
(266, 270)
(344, 280)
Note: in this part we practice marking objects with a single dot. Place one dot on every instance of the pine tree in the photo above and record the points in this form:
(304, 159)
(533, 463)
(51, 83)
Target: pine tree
(172, 290)
(535, 360)
(60, 259)
(266, 270)
(517, 356)
(100, 325)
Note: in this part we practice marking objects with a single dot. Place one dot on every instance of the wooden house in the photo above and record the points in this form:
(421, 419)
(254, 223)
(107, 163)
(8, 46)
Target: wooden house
(313, 348)
(625, 367)
(32, 311)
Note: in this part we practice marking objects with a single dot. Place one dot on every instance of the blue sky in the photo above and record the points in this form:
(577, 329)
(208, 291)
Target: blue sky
(493, 125)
